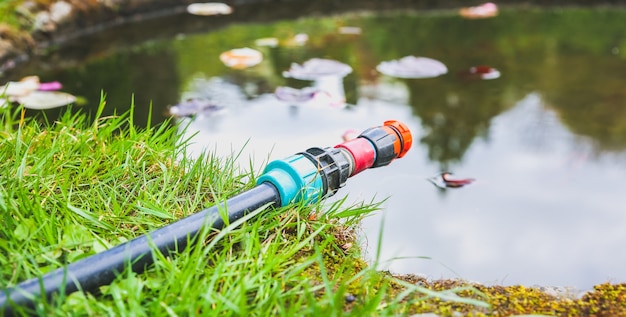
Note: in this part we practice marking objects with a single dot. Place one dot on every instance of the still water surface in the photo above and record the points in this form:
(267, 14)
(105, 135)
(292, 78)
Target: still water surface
(546, 142)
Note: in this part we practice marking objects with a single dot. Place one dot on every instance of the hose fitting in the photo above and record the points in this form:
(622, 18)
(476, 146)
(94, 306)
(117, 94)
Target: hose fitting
(332, 164)
(325, 170)
(378, 146)
(390, 141)
(295, 178)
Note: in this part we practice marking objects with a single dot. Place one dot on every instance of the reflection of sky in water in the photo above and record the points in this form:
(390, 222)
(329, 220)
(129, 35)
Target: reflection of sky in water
(535, 216)
(542, 211)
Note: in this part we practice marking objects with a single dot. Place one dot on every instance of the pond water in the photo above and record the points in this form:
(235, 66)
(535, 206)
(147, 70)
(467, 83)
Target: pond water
(546, 141)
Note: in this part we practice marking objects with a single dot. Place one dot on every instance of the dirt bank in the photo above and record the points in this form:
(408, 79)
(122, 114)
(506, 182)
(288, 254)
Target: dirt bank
(39, 24)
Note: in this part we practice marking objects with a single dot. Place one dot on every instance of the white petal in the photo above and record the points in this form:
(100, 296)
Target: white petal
(45, 99)
(209, 8)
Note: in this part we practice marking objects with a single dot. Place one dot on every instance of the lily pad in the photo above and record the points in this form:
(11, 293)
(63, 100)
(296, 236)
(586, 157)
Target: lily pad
(413, 67)
(40, 100)
(316, 68)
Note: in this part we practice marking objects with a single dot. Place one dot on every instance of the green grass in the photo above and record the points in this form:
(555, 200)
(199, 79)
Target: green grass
(79, 185)
(7, 12)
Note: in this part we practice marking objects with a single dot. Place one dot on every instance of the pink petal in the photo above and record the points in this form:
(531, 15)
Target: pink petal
(54, 85)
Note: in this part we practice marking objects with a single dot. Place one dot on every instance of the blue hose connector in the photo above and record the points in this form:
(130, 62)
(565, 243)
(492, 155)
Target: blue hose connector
(296, 178)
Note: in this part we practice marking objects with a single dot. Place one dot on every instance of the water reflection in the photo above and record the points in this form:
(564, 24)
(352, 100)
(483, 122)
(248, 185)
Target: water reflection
(545, 141)
(536, 215)
(453, 116)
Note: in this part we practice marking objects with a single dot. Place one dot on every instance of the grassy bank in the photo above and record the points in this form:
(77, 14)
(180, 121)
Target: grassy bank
(71, 188)
(79, 185)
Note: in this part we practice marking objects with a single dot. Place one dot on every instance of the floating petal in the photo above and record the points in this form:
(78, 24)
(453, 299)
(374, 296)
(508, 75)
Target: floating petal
(45, 99)
(444, 180)
(298, 40)
(480, 72)
(295, 95)
(486, 10)
(413, 67)
(316, 68)
(54, 85)
(209, 8)
(485, 72)
(196, 106)
(301, 38)
(349, 135)
(454, 183)
(240, 58)
(353, 30)
(267, 41)
(20, 88)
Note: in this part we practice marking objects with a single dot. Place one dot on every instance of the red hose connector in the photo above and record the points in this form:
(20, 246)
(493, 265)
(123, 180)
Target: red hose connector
(378, 146)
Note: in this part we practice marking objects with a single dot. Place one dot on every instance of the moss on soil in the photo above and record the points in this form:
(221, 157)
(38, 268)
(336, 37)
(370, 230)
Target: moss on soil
(604, 300)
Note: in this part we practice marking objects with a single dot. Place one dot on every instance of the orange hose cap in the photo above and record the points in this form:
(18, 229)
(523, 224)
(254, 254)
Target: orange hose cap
(405, 139)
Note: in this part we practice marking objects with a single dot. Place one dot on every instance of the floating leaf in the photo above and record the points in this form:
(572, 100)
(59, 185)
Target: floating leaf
(240, 58)
(444, 180)
(413, 67)
(195, 106)
(209, 8)
(45, 99)
(316, 68)
(485, 10)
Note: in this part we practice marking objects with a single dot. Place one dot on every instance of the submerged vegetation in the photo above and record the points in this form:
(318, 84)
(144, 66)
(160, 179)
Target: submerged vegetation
(81, 184)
